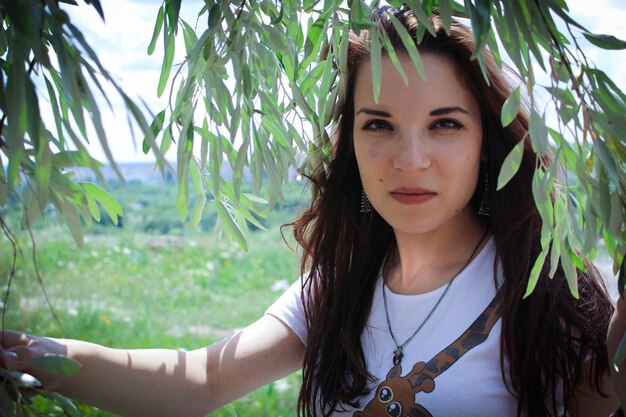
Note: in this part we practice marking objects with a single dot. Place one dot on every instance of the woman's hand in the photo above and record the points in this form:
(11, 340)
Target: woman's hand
(18, 348)
(617, 328)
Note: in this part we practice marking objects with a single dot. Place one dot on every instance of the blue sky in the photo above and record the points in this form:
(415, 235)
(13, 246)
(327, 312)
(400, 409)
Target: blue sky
(122, 40)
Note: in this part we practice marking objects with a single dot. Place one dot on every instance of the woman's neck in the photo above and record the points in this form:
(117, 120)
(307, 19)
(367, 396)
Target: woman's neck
(425, 262)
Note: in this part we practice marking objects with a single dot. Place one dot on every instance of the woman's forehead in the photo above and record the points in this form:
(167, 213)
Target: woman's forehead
(442, 83)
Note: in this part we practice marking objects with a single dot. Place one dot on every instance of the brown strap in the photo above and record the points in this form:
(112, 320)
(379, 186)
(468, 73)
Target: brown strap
(476, 334)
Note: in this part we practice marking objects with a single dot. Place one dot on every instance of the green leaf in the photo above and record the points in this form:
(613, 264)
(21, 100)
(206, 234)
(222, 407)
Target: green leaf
(424, 20)
(194, 170)
(605, 41)
(155, 128)
(230, 225)
(20, 378)
(196, 214)
(376, 63)
(394, 58)
(72, 221)
(43, 172)
(538, 132)
(409, 45)
(66, 405)
(256, 199)
(567, 261)
(56, 364)
(511, 164)
(215, 16)
(445, 11)
(32, 110)
(511, 107)
(621, 278)
(92, 205)
(4, 190)
(181, 198)
(157, 30)
(314, 39)
(65, 159)
(173, 10)
(536, 270)
(106, 200)
(166, 67)
(247, 81)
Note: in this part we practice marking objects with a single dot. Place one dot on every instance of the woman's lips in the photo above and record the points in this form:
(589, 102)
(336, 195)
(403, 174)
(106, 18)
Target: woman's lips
(412, 195)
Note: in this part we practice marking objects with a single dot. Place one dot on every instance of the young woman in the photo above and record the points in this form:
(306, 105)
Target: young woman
(413, 269)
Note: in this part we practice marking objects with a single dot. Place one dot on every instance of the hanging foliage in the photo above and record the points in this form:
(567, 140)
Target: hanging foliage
(255, 91)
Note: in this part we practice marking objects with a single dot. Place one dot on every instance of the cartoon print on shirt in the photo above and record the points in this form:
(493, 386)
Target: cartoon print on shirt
(395, 396)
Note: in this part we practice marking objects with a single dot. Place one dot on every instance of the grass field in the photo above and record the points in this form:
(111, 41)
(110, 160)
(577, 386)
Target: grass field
(129, 290)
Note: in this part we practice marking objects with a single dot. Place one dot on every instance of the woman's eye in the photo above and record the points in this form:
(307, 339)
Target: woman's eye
(447, 124)
(376, 125)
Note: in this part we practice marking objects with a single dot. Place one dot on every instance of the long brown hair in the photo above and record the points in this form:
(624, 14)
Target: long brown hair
(546, 337)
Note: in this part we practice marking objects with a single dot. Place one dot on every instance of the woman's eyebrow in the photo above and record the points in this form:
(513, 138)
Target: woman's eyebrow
(448, 110)
(374, 112)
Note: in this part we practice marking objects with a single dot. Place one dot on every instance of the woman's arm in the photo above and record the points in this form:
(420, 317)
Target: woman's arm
(156, 382)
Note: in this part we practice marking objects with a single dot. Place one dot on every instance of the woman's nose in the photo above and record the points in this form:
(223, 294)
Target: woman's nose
(411, 153)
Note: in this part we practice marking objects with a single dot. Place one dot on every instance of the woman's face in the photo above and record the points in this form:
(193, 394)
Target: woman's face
(419, 147)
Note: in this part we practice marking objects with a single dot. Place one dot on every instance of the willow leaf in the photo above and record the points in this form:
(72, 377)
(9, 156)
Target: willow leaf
(230, 225)
(157, 30)
(72, 221)
(445, 11)
(43, 172)
(195, 177)
(68, 407)
(510, 165)
(394, 58)
(166, 67)
(196, 213)
(538, 132)
(172, 7)
(92, 205)
(376, 62)
(605, 41)
(106, 200)
(56, 364)
(511, 107)
(536, 270)
(409, 45)
(314, 39)
(155, 127)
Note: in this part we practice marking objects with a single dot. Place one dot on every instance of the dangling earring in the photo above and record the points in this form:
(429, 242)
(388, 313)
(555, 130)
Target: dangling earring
(485, 208)
(366, 206)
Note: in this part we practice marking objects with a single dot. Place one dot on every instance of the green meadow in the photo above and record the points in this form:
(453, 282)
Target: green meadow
(152, 283)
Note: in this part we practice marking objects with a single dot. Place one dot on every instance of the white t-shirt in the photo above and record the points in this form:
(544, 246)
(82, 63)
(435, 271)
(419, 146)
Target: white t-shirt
(471, 386)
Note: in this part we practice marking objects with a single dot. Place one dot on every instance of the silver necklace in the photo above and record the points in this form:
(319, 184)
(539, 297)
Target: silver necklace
(398, 353)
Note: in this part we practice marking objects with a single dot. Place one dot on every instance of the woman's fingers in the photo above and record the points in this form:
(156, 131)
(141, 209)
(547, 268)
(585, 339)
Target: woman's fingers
(14, 349)
(12, 338)
(18, 349)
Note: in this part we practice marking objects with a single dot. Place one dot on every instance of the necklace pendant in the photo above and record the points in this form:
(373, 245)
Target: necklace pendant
(397, 356)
